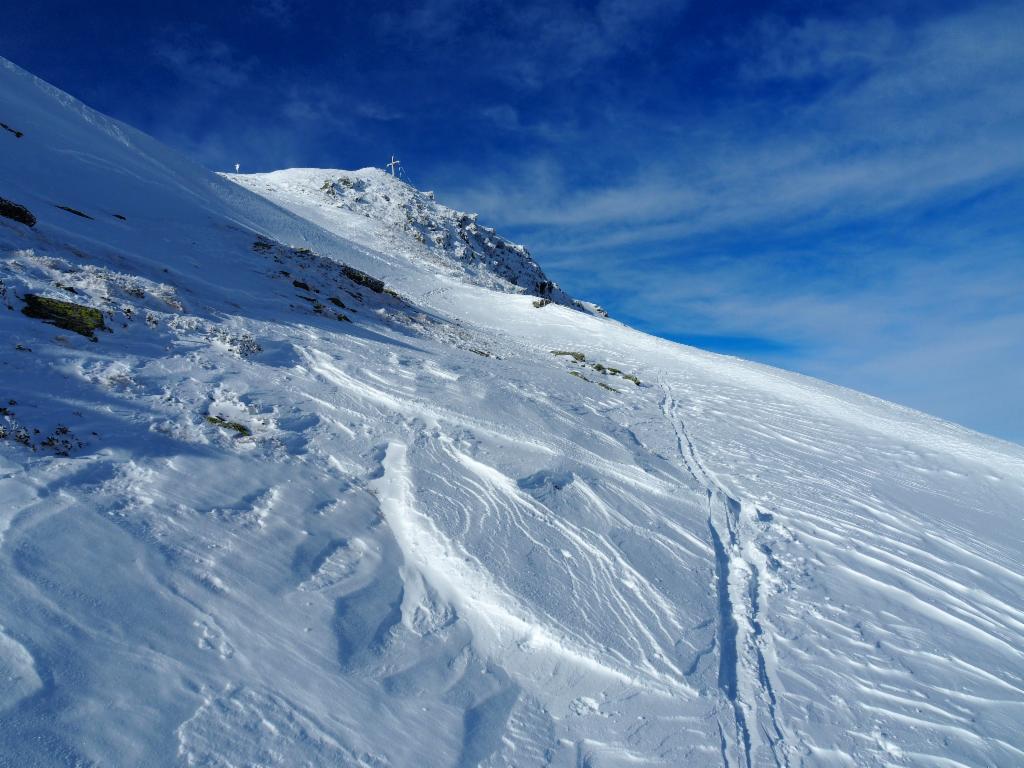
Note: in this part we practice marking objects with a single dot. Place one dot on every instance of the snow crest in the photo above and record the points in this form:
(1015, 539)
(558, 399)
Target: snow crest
(449, 239)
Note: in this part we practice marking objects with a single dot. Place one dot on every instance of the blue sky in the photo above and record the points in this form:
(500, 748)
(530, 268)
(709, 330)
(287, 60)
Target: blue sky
(834, 188)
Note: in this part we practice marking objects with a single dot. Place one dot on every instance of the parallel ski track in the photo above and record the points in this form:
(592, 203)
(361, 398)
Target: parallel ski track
(743, 677)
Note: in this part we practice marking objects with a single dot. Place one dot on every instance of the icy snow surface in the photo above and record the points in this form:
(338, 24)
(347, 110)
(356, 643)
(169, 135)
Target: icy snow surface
(276, 516)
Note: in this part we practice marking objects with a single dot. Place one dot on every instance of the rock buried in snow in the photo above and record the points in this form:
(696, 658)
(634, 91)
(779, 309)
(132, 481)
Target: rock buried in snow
(234, 426)
(74, 211)
(19, 213)
(363, 279)
(64, 314)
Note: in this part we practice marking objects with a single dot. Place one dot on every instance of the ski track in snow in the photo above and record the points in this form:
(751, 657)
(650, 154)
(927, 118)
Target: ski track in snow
(743, 674)
(275, 515)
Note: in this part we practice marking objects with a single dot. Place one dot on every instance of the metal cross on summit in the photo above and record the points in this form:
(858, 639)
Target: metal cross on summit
(393, 165)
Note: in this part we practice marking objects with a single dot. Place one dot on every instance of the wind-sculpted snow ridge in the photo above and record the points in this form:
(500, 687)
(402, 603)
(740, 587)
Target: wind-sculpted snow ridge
(277, 490)
(412, 222)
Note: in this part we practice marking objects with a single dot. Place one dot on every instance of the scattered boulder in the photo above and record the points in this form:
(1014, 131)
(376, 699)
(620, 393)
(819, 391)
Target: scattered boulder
(363, 279)
(234, 426)
(19, 213)
(64, 314)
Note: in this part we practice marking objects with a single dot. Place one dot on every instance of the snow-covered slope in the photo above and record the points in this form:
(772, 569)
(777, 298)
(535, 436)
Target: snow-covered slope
(404, 218)
(263, 510)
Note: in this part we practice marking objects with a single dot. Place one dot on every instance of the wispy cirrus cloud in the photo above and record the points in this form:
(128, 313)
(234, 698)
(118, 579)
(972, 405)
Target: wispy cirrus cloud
(206, 63)
(914, 114)
(528, 44)
(279, 11)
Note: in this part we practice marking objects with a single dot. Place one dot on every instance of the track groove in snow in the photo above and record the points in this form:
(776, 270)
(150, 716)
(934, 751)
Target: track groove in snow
(743, 675)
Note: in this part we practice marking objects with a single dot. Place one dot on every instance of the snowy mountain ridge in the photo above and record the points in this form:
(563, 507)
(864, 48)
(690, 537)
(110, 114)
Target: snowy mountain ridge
(283, 485)
(449, 239)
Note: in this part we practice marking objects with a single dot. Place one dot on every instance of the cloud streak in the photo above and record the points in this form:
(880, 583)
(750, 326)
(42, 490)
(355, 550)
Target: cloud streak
(926, 114)
(530, 44)
(209, 64)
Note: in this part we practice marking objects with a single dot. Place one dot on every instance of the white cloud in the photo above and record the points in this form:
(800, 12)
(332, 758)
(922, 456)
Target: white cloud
(278, 11)
(932, 110)
(209, 64)
(528, 44)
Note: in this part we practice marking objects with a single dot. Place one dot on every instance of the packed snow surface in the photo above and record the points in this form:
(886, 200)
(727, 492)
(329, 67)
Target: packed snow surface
(291, 478)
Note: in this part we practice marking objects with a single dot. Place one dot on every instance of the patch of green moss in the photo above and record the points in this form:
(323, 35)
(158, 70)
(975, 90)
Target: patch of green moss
(64, 314)
(631, 377)
(599, 368)
(336, 302)
(232, 425)
(579, 357)
(610, 389)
